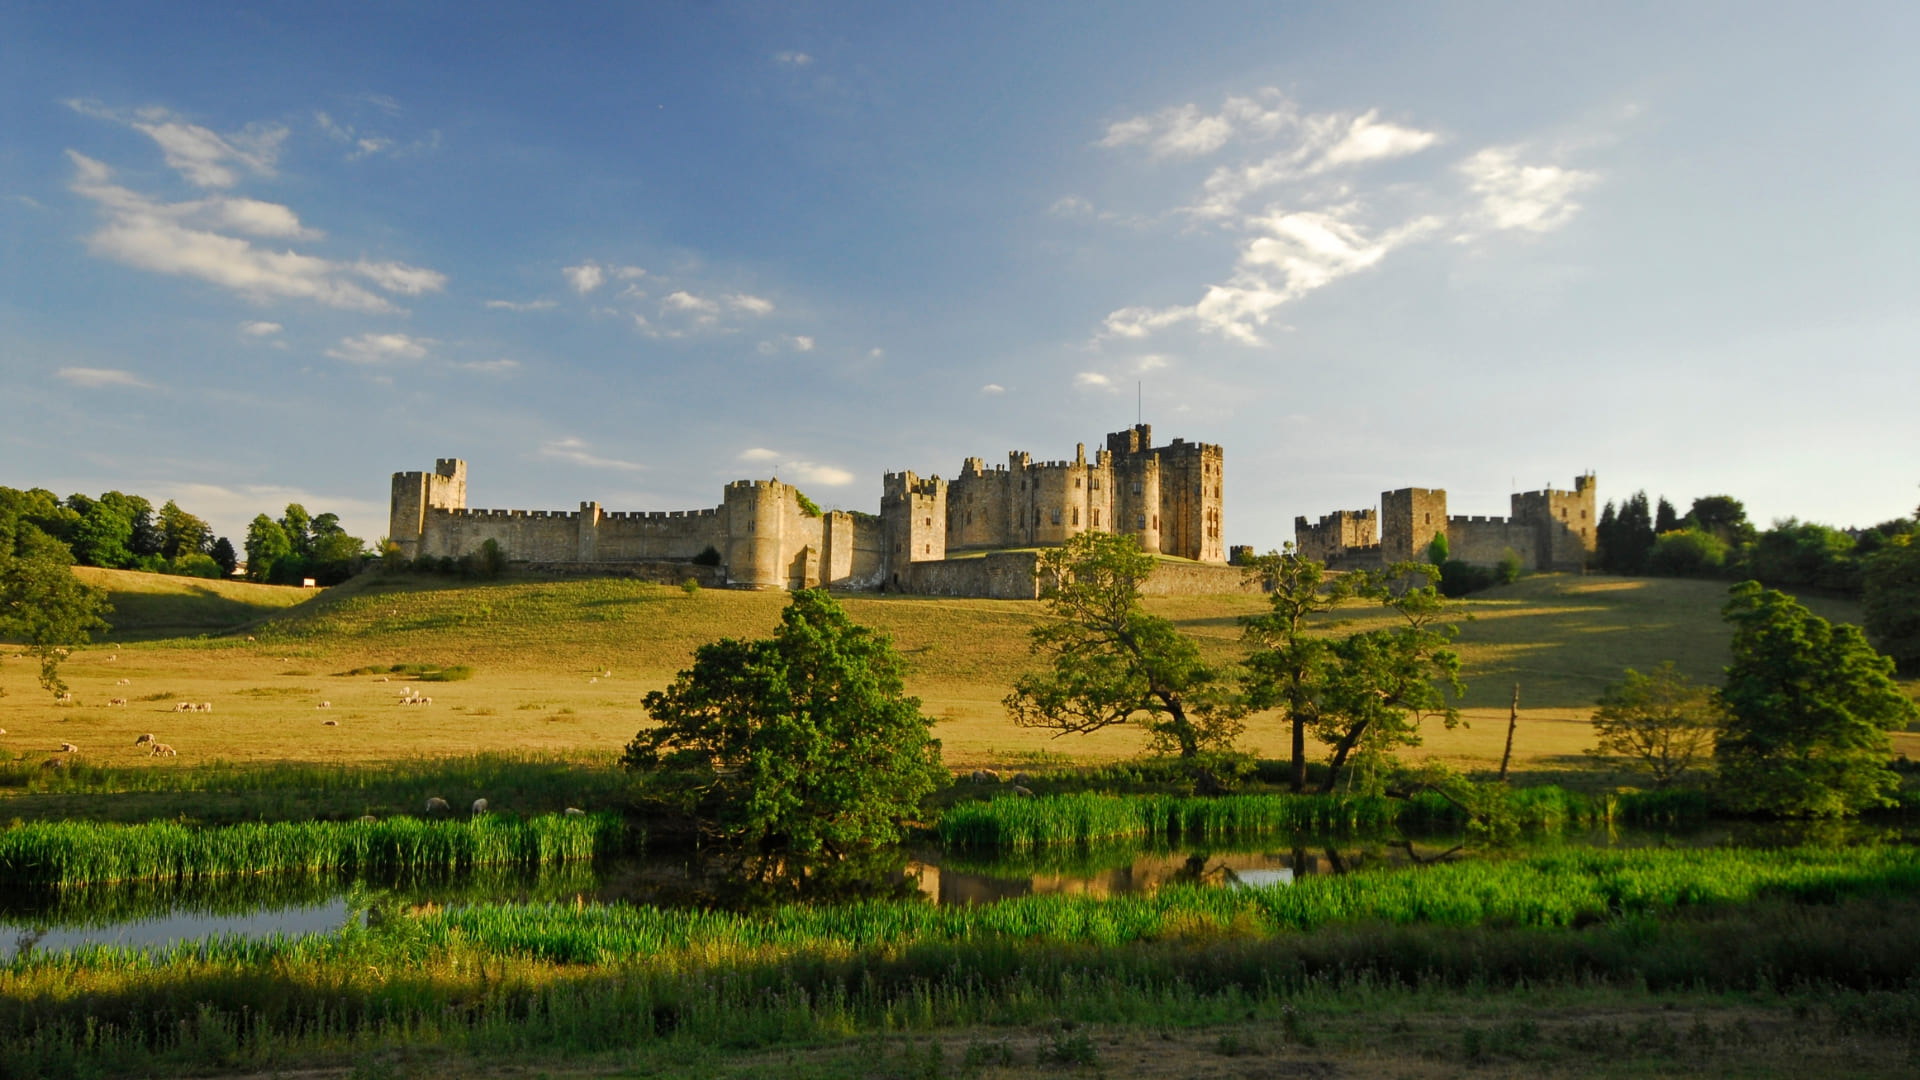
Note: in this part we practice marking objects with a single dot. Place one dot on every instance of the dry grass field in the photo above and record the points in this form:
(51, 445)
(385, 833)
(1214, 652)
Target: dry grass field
(560, 666)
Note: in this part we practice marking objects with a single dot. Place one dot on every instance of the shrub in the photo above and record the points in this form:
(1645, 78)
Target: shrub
(1460, 578)
(709, 557)
(1688, 553)
(1509, 568)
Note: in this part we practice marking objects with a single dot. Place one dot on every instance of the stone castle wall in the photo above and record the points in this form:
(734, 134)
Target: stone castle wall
(1169, 498)
(1548, 530)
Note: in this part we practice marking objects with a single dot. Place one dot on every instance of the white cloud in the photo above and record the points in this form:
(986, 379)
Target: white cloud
(993, 388)
(575, 451)
(1536, 198)
(203, 156)
(686, 301)
(804, 471)
(519, 305)
(154, 236)
(824, 475)
(253, 217)
(802, 343)
(379, 348)
(1150, 362)
(876, 353)
(366, 144)
(100, 378)
(586, 277)
(260, 329)
(628, 273)
(489, 367)
(1071, 206)
(401, 278)
(792, 59)
(1321, 143)
(752, 305)
(1187, 131)
(1092, 380)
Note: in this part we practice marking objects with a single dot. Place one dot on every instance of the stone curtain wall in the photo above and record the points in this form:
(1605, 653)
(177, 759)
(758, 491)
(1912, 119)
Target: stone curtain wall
(1548, 530)
(1484, 541)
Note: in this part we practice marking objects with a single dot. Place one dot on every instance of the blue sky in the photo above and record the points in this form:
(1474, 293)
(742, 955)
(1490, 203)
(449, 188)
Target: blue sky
(630, 252)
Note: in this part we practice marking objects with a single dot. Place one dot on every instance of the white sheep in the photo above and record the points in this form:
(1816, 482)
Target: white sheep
(324, 705)
(437, 805)
(184, 706)
(124, 682)
(144, 739)
(593, 680)
(479, 807)
(65, 699)
(574, 811)
(161, 749)
(69, 748)
(206, 706)
(120, 701)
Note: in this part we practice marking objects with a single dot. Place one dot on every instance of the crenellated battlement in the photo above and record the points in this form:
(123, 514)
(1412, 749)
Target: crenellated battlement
(1549, 529)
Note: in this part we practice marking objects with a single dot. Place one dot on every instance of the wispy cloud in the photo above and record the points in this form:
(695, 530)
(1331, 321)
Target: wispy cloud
(806, 472)
(792, 59)
(1304, 213)
(520, 305)
(260, 329)
(102, 378)
(1092, 380)
(364, 144)
(800, 343)
(205, 157)
(1536, 198)
(489, 367)
(182, 239)
(586, 277)
(575, 451)
(379, 348)
(993, 388)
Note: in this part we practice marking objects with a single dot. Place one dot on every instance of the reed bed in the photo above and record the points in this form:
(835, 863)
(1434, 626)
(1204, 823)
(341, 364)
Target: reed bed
(64, 854)
(1019, 823)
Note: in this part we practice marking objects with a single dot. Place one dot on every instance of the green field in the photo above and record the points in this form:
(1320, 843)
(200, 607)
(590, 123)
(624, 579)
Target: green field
(560, 666)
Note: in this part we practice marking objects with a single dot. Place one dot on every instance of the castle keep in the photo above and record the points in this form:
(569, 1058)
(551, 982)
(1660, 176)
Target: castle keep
(1547, 530)
(969, 537)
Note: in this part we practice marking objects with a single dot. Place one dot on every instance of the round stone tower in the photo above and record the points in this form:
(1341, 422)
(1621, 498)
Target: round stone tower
(755, 509)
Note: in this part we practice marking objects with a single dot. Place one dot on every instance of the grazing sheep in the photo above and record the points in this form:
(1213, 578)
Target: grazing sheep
(161, 749)
(330, 723)
(382, 678)
(144, 739)
(574, 811)
(324, 705)
(69, 748)
(3, 731)
(368, 819)
(120, 701)
(183, 707)
(206, 706)
(437, 805)
(1022, 778)
(985, 776)
(114, 657)
(607, 674)
(65, 699)
(479, 807)
(426, 701)
(1022, 792)
(124, 682)
(593, 680)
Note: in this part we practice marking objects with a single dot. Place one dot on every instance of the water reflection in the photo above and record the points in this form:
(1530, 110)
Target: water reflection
(149, 914)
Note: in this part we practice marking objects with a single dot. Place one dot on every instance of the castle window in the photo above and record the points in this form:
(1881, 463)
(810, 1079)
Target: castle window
(929, 523)
(969, 517)
(929, 549)
(1429, 520)
(1143, 521)
(1096, 519)
(1136, 487)
(1093, 484)
(1076, 481)
(1583, 517)
(1156, 521)
(1076, 515)
(1056, 516)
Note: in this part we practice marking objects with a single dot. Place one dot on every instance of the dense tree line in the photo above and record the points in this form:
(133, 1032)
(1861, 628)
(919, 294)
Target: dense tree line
(42, 603)
(1715, 539)
(299, 545)
(124, 532)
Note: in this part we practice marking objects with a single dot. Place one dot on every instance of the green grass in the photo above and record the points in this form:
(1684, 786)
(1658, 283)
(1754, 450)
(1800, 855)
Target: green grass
(1015, 823)
(503, 982)
(73, 853)
(150, 606)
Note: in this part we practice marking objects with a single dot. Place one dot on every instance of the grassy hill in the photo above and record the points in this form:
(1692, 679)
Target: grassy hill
(560, 665)
(148, 606)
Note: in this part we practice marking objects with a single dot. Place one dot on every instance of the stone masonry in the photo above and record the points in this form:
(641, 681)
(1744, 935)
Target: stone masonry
(1547, 530)
(1170, 498)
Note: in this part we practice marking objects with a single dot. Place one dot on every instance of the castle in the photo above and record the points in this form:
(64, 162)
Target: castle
(972, 536)
(1547, 530)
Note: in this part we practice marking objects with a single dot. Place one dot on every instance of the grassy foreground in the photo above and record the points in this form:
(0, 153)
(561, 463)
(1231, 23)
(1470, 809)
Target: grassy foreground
(560, 667)
(1836, 929)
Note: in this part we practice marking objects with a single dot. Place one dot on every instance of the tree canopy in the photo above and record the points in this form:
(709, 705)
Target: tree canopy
(1110, 663)
(1808, 705)
(1660, 721)
(41, 602)
(805, 742)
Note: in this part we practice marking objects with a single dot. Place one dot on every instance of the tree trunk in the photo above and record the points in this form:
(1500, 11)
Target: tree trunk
(1339, 759)
(1182, 731)
(1513, 720)
(1299, 755)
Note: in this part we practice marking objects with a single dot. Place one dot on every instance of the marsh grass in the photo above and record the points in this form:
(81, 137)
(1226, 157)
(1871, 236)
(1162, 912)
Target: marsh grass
(70, 853)
(1840, 928)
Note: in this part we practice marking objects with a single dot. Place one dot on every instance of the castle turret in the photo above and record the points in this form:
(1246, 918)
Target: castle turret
(755, 513)
(415, 495)
(913, 517)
